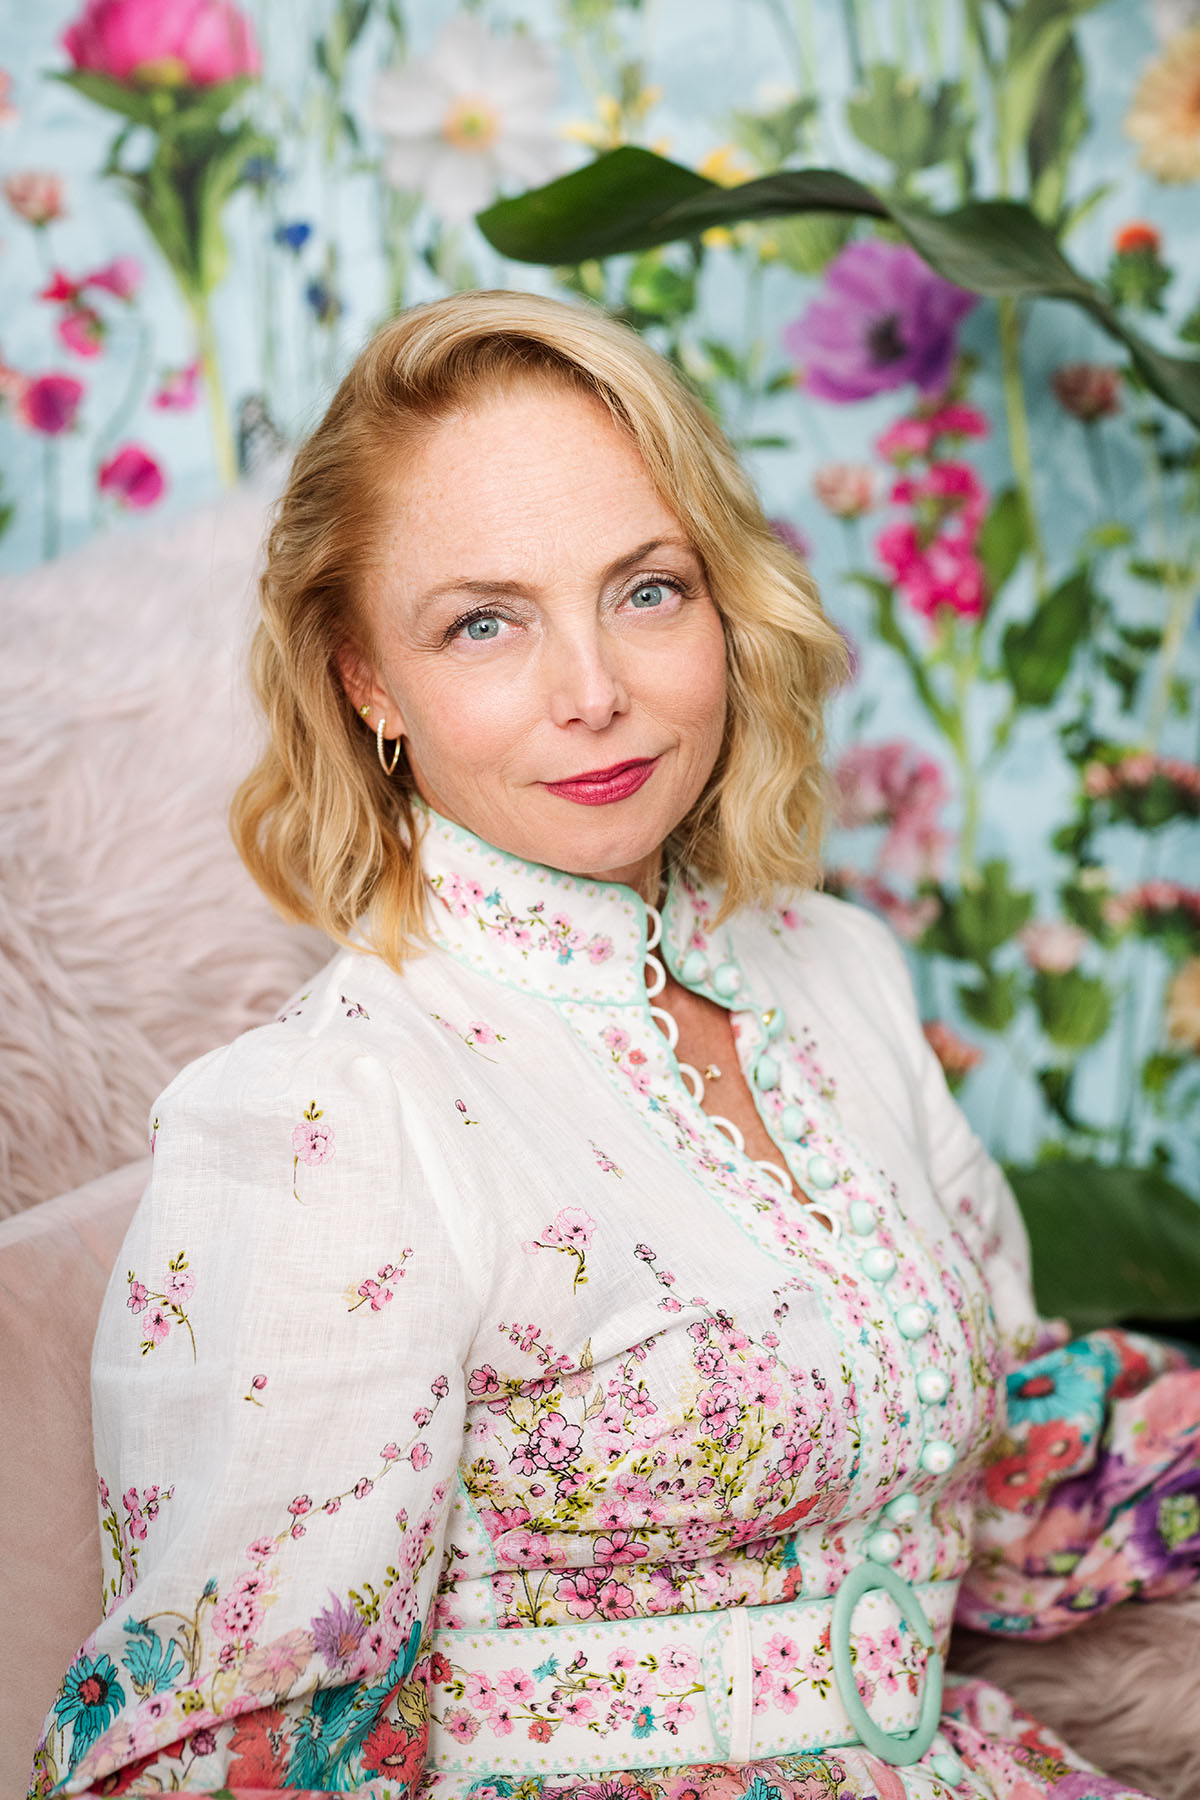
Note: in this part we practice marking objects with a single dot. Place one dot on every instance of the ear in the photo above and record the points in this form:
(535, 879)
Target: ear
(364, 689)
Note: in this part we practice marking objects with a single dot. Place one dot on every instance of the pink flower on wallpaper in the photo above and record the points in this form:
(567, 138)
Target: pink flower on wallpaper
(1053, 946)
(177, 389)
(12, 384)
(894, 784)
(36, 195)
(9, 114)
(165, 43)
(134, 479)
(945, 572)
(49, 403)
(847, 490)
(122, 277)
(81, 329)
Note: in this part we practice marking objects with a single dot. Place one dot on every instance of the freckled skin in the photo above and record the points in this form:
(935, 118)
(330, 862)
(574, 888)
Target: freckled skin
(543, 491)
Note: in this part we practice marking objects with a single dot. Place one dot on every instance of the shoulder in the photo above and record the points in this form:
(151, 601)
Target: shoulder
(840, 940)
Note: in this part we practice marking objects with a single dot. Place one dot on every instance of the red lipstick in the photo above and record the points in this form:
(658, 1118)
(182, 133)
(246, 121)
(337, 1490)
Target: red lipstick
(597, 787)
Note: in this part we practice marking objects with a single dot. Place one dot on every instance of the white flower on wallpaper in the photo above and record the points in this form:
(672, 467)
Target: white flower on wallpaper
(470, 117)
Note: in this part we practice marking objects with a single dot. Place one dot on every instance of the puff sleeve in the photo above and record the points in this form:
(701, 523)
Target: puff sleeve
(278, 1406)
(1092, 1493)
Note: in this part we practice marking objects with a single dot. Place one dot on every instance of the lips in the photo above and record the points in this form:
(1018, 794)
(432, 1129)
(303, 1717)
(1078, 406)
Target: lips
(634, 762)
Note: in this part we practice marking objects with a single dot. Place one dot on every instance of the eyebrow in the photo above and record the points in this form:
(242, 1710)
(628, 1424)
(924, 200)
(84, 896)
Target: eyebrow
(468, 585)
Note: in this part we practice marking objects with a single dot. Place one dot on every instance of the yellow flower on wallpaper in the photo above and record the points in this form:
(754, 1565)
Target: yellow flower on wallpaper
(1183, 1006)
(726, 166)
(1165, 115)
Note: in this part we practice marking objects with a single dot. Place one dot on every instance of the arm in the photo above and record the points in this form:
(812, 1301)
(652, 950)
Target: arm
(278, 1407)
(1092, 1494)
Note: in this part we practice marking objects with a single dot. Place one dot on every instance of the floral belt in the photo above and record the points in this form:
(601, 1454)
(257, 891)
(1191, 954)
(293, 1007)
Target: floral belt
(733, 1686)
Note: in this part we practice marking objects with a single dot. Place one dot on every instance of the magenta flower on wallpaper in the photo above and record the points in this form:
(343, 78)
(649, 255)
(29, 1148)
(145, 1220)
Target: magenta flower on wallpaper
(882, 319)
(192, 43)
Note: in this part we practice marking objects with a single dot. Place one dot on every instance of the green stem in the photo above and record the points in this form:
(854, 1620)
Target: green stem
(966, 668)
(111, 430)
(218, 410)
(791, 41)
(51, 524)
(853, 42)
(1183, 598)
(1019, 448)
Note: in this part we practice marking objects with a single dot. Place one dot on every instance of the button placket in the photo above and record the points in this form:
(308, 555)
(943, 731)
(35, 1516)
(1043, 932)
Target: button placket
(914, 1320)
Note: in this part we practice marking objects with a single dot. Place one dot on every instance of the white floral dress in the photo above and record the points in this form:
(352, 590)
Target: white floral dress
(474, 1417)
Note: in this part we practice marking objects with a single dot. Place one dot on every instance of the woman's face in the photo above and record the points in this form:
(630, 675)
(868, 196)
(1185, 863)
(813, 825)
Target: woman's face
(539, 615)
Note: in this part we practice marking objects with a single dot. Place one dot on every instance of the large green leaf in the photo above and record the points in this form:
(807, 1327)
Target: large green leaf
(1037, 654)
(631, 199)
(1110, 1243)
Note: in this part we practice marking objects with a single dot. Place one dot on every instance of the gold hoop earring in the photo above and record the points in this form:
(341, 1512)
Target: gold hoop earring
(388, 768)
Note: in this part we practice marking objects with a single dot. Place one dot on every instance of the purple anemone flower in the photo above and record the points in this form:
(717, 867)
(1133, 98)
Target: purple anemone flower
(882, 318)
(1166, 1527)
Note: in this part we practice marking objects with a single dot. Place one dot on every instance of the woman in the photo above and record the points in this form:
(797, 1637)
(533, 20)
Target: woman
(562, 1353)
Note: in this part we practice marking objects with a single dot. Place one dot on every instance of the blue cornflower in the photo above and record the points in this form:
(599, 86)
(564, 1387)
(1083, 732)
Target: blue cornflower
(294, 235)
(324, 302)
(153, 1666)
(261, 171)
(643, 1722)
(545, 1670)
(91, 1696)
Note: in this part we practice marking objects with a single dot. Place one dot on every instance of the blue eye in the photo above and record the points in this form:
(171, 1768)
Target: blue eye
(488, 625)
(655, 589)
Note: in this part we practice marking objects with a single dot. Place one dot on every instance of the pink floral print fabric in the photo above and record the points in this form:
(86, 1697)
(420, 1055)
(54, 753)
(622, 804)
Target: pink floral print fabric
(448, 1309)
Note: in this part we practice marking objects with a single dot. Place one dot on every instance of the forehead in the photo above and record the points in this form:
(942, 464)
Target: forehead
(526, 474)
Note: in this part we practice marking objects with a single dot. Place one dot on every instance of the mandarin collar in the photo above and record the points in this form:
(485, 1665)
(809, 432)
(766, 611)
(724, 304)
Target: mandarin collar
(560, 936)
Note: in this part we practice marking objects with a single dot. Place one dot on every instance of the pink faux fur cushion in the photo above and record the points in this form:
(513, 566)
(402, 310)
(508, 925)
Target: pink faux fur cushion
(1124, 1690)
(131, 938)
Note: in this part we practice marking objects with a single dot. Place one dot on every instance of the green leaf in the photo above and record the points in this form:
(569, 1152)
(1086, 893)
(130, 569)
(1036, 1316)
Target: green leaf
(658, 290)
(992, 1002)
(1004, 537)
(1109, 1243)
(631, 199)
(975, 922)
(809, 242)
(1075, 1009)
(1037, 654)
(1059, 124)
(913, 130)
(1160, 1069)
(888, 627)
(133, 103)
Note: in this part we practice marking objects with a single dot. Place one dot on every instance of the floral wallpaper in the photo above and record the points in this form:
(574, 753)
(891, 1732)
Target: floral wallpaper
(208, 205)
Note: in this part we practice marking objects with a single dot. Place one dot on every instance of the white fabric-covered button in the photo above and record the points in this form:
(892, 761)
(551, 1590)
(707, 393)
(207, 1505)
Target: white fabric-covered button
(821, 1172)
(882, 1546)
(938, 1457)
(903, 1509)
(914, 1320)
(879, 1263)
(862, 1219)
(933, 1386)
(694, 967)
(727, 979)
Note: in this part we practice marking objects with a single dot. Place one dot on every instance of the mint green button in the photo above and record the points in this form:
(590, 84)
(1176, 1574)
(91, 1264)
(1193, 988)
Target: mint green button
(903, 1509)
(793, 1123)
(694, 967)
(727, 979)
(947, 1767)
(879, 1263)
(821, 1172)
(766, 1072)
(914, 1320)
(862, 1219)
(933, 1386)
(938, 1457)
(882, 1546)
(772, 1021)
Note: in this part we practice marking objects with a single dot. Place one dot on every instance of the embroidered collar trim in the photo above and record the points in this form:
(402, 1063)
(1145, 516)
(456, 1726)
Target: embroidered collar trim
(562, 936)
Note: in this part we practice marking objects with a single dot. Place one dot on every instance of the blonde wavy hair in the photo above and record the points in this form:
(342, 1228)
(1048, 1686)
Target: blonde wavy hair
(325, 833)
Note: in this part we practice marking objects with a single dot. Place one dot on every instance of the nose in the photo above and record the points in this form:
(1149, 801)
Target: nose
(583, 677)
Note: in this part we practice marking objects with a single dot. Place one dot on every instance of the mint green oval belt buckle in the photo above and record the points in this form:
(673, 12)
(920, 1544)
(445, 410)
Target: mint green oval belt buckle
(888, 1746)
